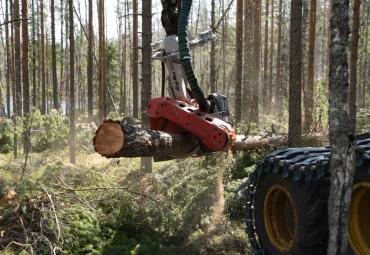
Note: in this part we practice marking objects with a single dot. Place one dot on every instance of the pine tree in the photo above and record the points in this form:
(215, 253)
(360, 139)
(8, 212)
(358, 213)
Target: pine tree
(310, 69)
(54, 57)
(295, 73)
(72, 114)
(102, 103)
(238, 60)
(146, 69)
(90, 63)
(342, 167)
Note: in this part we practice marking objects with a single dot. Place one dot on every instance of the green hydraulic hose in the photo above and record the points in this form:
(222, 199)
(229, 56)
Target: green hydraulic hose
(185, 56)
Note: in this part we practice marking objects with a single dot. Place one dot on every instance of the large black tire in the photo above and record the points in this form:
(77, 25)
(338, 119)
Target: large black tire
(359, 223)
(286, 202)
(303, 210)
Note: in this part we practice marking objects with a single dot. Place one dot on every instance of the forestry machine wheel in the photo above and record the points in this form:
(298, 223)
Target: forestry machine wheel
(286, 202)
(359, 217)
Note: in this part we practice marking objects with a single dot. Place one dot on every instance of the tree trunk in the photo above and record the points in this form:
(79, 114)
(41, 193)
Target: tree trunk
(146, 69)
(223, 43)
(265, 59)
(17, 59)
(212, 53)
(342, 166)
(238, 60)
(124, 65)
(67, 57)
(305, 19)
(8, 60)
(295, 73)
(42, 60)
(256, 62)
(121, 39)
(279, 97)
(135, 61)
(271, 75)
(25, 74)
(365, 71)
(34, 56)
(72, 114)
(54, 57)
(352, 98)
(90, 63)
(61, 79)
(247, 59)
(102, 103)
(42, 50)
(309, 109)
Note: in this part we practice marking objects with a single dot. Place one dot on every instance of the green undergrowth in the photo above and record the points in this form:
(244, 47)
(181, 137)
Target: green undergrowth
(101, 206)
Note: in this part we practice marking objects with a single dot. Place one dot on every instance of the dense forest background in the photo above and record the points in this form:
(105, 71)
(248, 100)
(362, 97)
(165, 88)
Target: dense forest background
(62, 74)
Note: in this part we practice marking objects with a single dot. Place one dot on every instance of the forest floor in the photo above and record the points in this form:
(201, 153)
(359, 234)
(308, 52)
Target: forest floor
(105, 206)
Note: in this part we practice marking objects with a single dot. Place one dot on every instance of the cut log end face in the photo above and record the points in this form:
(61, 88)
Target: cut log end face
(109, 139)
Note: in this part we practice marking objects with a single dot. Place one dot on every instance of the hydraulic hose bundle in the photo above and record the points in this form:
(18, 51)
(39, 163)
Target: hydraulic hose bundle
(185, 56)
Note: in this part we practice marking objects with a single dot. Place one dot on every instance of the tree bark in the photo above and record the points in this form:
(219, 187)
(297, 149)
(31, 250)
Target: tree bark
(247, 59)
(256, 62)
(61, 79)
(265, 59)
(42, 50)
(72, 114)
(212, 56)
(17, 59)
(271, 74)
(223, 43)
(310, 69)
(295, 73)
(342, 166)
(135, 61)
(34, 57)
(90, 62)
(102, 106)
(279, 97)
(352, 98)
(8, 60)
(114, 140)
(305, 19)
(54, 57)
(238, 60)
(122, 59)
(25, 74)
(365, 85)
(146, 92)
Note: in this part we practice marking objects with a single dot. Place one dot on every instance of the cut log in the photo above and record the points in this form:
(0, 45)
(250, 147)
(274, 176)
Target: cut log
(114, 139)
(251, 143)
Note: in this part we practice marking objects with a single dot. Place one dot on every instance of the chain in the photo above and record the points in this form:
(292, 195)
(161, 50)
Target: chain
(250, 194)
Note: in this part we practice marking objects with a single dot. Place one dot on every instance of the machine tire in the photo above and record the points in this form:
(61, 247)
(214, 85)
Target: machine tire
(359, 223)
(294, 183)
(309, 204)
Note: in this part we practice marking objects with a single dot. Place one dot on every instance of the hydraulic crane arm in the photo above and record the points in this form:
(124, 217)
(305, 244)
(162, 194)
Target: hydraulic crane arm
(170, 16)
(187, 111)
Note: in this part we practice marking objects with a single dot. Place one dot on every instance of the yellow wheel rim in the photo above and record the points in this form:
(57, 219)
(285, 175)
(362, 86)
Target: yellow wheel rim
(359, 219)
(280, 218)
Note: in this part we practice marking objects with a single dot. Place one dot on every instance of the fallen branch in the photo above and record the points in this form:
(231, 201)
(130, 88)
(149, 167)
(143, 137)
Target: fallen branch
(69, 189)
(54, 212)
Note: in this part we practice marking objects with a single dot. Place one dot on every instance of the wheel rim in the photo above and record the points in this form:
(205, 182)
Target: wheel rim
(359, 219)
(280, 218)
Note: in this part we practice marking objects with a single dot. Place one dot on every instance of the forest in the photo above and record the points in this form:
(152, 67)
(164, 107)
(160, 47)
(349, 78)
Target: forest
(86, 168)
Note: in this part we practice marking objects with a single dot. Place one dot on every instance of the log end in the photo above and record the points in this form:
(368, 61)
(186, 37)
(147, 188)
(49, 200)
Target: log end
(109, 139)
